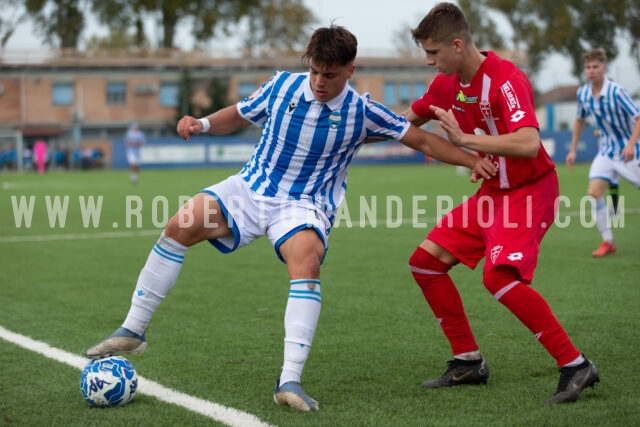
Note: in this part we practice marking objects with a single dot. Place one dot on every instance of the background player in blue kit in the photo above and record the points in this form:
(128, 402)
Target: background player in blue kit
(134, 140)
(617, 117)
(313, 124)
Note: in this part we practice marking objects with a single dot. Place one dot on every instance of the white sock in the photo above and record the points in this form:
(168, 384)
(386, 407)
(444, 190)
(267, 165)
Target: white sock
(300, 321)
(470, 355)
(575, 362)
(156, 279)
(602, 220)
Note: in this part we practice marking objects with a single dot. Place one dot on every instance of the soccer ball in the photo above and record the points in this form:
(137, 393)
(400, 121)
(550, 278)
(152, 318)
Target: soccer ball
(111, 381)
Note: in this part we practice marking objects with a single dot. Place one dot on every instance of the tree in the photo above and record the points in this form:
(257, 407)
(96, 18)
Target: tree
(10, 19)
(120, 16)
(571, 27)
(60, 22)
(278, 25)
(207, 17)
(117, 39)
(478, 18)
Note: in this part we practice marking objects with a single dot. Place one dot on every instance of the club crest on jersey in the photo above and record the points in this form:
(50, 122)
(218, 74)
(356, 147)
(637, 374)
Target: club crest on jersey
(495, 251)
(334, 119)
(466, 99)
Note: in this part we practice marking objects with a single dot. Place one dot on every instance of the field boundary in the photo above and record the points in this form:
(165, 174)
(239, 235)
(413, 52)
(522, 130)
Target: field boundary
(229, 416)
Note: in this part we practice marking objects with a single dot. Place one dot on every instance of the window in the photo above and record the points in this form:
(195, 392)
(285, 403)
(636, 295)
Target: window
(405, 97)
(390, 98)
(116, 93)
(169, 94)
(419, 88)
(245, 89)
(62, 94)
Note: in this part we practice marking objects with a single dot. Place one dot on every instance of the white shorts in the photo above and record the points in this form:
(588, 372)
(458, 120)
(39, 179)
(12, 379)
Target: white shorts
(133, 156)
(611, 170)
(251, 215)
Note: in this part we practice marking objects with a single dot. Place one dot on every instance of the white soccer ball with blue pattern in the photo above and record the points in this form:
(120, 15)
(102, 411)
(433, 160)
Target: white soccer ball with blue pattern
(111, 381)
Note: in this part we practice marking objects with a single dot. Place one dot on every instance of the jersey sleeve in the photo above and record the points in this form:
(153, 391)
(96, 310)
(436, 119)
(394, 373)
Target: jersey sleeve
(628, 104)
(515, 98)
(431, 97)
(254, 108)
(581, 110)
(382, 122)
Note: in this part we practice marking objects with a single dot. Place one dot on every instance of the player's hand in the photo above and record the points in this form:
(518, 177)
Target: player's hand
(483, 168)
(571, 159)
(628, 152)
(449, 124)
(188, 125)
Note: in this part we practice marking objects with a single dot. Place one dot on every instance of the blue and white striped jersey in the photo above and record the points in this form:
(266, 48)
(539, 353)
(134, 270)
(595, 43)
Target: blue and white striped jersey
(306, 145)
(614, 113)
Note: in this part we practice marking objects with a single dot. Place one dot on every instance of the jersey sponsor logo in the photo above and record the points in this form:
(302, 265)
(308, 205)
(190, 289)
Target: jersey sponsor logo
(515, 256)
(517, 116)
(334, 119)
(510, 95)
(466, 99)
(495, 251)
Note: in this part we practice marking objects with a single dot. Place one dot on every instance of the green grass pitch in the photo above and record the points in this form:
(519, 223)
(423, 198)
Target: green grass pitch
(218, 335)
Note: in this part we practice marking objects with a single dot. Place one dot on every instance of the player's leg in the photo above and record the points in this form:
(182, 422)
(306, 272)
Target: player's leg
(431, 274)
(601, 174)
(507, 273)
(132, 159)
(199, 219)
(597, 189)
(430, 264)
(614, 193)
(303, 252)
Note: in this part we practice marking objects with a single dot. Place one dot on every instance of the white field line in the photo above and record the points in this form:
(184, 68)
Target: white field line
(80, 236)
(381, 223)
(220, 413)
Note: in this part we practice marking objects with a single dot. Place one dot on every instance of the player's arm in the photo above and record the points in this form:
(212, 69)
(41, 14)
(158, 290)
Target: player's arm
(222, 122)
(439, 148)
(578, 128)
(629, 152)
(523, 142)
(413, 117)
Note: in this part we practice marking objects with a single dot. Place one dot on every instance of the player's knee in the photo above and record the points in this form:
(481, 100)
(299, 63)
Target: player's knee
(500, 280)
(423, 262)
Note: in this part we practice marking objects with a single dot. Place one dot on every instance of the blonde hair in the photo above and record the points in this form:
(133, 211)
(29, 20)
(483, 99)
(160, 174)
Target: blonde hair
(598, 54)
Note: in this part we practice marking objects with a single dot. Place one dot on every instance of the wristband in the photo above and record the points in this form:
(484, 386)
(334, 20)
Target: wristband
(206, 125)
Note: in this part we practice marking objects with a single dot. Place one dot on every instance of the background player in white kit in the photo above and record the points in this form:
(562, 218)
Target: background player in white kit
(313, 124)
(616, 117)
(134, 140)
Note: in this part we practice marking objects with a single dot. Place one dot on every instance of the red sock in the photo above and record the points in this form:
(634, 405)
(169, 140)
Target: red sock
(442, 296)
(533, 311)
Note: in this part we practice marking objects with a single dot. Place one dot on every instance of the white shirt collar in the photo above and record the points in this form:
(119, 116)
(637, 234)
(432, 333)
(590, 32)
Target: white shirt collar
(605, 87)
(333, 104)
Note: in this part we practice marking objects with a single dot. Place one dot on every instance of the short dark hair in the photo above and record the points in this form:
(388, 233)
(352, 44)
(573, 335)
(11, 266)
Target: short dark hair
(444, 23)
(330, 46)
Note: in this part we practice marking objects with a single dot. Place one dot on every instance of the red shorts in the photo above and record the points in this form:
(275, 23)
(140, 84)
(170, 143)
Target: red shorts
(505, 226)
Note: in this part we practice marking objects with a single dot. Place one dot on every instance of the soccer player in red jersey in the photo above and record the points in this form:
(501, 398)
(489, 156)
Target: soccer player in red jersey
(485, 104)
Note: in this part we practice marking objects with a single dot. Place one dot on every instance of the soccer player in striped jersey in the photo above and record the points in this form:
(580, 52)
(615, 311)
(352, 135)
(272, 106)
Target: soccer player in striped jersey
(485, 103)
(134, 139)
(617, 119)
(313, 125)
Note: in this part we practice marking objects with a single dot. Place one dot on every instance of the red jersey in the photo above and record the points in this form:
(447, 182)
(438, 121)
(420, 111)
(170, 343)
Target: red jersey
(498, 100)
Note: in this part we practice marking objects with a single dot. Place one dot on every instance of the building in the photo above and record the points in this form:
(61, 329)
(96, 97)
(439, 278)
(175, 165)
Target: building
(85, 99)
